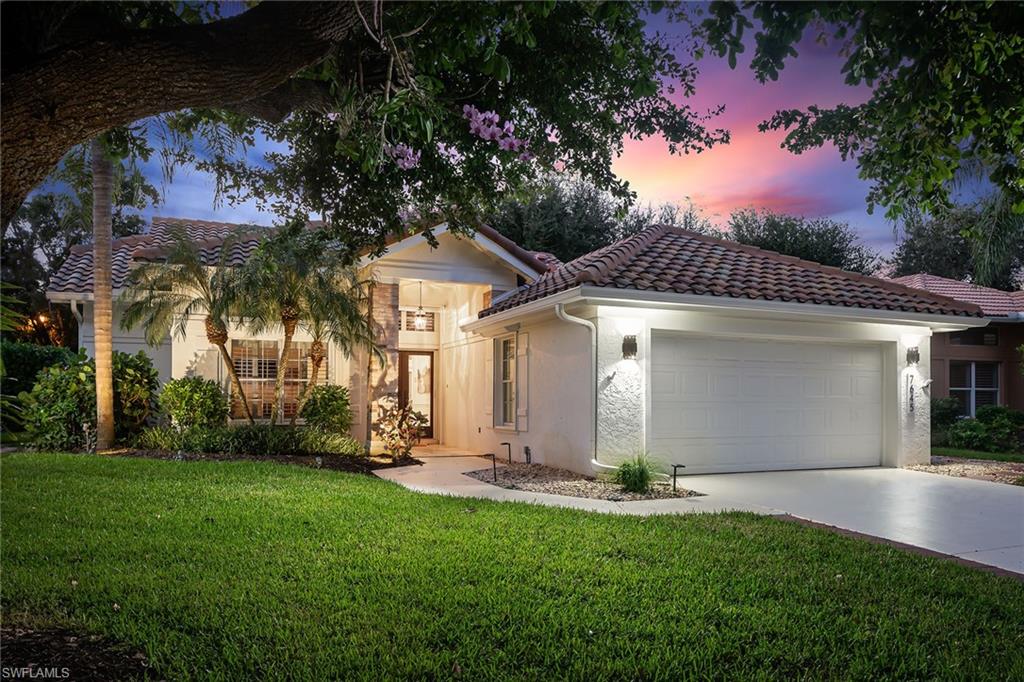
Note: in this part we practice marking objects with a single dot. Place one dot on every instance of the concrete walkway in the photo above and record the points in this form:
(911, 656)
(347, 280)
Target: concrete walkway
(443, 475)
(975, 520)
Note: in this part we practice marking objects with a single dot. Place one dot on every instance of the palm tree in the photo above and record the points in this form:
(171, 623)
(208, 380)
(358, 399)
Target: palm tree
(339, 314)
(296, 276)
(102, 312)
(162, 297)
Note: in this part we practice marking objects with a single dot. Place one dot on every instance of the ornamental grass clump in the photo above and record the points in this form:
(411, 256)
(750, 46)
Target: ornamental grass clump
(635, 474)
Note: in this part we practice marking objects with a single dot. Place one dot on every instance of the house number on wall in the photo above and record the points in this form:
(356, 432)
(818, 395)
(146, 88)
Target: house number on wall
(910, 393)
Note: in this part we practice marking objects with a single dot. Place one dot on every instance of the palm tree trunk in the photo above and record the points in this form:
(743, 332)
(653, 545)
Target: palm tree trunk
(102, 200)
(289, 325)
(317, 360)
(236, 385)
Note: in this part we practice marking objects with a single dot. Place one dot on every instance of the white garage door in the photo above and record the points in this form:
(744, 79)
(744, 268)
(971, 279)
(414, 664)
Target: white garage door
(721, 405)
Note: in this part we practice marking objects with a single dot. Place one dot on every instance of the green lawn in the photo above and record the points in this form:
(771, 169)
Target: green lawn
(977, 454)
(242, 570)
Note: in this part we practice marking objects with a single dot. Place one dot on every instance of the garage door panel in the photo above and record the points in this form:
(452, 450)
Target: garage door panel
(744, 405)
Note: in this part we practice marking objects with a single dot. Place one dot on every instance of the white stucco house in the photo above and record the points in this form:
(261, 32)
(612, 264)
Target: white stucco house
(695, 350)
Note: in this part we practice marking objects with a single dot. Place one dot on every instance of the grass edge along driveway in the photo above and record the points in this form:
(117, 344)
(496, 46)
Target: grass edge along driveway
(239, 569)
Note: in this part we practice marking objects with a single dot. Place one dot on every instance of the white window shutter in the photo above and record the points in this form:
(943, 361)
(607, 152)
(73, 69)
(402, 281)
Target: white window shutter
(489, 379)
(523, 382)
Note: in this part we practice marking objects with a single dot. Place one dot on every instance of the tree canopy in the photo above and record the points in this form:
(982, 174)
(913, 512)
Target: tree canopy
(821, 240)
(946, 94)
(380, 110)
(40, 237)
(569, 217)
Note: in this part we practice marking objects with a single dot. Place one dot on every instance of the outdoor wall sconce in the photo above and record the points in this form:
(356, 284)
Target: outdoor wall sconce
(629, 347)
(913, 355)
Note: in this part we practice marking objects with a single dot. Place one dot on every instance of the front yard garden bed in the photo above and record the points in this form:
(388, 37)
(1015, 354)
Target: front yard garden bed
(350, 463)
(86, 658)
(980, 469)
(537, 478)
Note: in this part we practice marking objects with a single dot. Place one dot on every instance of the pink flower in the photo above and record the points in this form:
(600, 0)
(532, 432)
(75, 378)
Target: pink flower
(508, 128)
(451, 153)
(404, 156)
(491, 132)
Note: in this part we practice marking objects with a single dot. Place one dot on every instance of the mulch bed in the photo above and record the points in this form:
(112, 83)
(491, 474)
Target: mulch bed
(58, 653)
(979, 469)
(537, 478)
(357, 465)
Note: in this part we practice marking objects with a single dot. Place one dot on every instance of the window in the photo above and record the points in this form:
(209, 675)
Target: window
(979, 336)
(505, 369)
(408, 321)
(256, 366)
(974, 384)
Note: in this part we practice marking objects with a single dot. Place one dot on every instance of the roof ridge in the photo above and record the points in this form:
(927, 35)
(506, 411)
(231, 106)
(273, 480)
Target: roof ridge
(197, 221)
(884, 283)
(624, 250)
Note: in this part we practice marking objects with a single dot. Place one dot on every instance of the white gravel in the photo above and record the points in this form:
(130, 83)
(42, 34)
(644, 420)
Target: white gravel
(981, 469)
(538, 478)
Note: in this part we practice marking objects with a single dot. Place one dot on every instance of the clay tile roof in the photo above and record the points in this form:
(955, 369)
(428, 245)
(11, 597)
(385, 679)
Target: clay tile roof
(670, 259)
(993, 302)
(75, 275)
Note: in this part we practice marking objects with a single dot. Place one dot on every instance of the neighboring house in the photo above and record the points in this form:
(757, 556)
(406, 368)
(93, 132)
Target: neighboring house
(699, 351)
(978, 366)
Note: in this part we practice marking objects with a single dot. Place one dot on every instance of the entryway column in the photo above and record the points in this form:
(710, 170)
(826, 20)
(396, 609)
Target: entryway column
(383, 380)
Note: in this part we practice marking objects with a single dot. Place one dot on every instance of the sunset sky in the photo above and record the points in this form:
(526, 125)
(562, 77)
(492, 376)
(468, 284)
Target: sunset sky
(751, 171)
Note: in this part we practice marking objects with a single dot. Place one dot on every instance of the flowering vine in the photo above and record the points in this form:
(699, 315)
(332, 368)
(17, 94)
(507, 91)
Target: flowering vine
(488, 126)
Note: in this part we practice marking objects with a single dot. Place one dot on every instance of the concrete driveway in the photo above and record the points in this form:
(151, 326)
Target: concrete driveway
(975, 520)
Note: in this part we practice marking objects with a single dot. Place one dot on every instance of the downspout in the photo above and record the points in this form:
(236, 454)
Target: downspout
(79, 316)
(572, 319)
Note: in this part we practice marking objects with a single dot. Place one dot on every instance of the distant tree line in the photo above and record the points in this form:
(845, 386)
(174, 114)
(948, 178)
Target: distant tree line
(568, 218)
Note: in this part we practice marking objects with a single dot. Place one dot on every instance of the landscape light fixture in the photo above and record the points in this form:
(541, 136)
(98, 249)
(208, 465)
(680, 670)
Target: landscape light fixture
(629, 347)
(419, 322)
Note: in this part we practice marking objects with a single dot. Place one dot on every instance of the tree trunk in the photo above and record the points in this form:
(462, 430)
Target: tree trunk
(235, 383)
(72, 93)
(102, 312)
(218, 336)
(289, 323)
(317, 359)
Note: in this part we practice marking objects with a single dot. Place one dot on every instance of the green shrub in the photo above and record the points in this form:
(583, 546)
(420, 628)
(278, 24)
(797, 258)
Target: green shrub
(258, 439)
(327, 408)
(634, 475)
(60, 410)
(970, 434)
(22, 363)
(194, 401)
(945, 412)
(990, 414)
(316, 441)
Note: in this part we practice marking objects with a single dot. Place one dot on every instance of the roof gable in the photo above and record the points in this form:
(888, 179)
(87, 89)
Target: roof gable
(670, 259)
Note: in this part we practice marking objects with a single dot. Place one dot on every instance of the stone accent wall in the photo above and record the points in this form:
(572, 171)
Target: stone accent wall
(383, 381)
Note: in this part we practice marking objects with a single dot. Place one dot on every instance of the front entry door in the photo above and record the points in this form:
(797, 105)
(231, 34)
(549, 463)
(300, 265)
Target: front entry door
(416, 384)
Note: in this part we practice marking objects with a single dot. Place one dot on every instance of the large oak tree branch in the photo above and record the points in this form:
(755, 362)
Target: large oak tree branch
(74, 93)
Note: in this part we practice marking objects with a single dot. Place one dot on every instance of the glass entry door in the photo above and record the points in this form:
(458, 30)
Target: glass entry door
(416, 384)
